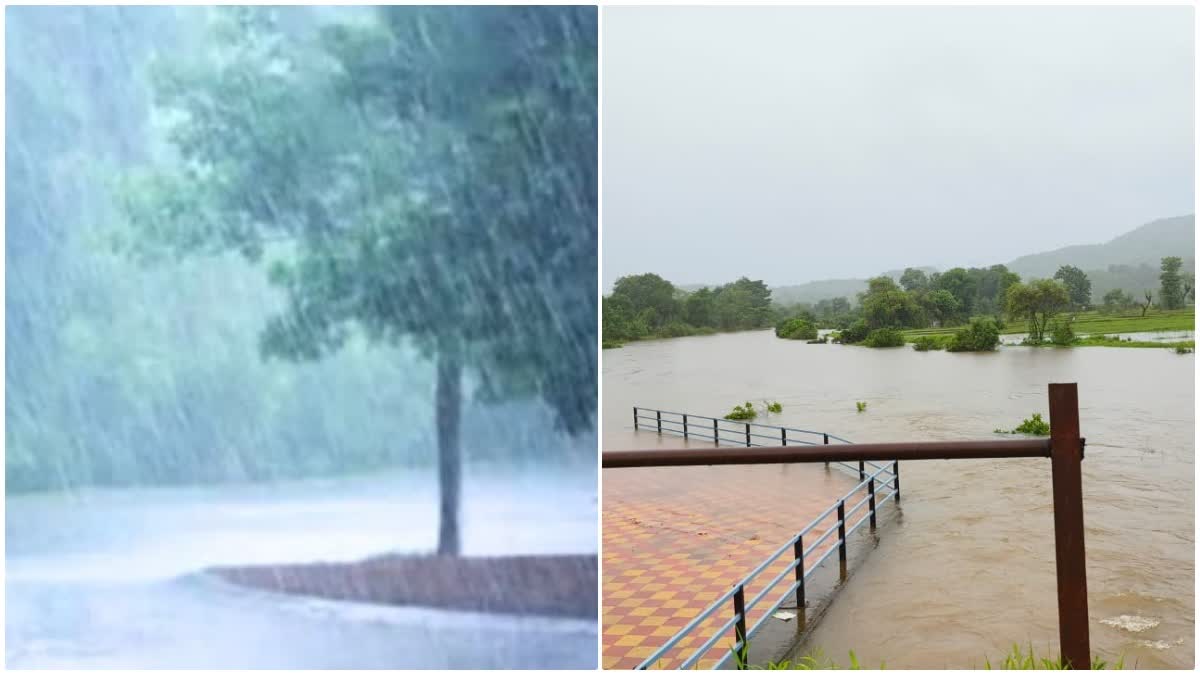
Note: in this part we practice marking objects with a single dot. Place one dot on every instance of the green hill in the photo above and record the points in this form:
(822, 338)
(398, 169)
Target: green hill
(1147, 244)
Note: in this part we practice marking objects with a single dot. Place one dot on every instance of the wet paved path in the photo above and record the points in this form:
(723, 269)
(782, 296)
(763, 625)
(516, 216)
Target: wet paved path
(677, 538)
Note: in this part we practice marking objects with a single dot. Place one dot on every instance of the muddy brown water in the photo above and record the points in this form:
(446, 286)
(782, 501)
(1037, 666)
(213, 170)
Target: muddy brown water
(967, 568)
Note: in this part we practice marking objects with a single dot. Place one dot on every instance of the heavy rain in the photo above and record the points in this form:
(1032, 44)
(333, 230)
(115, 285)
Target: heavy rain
(301, 337)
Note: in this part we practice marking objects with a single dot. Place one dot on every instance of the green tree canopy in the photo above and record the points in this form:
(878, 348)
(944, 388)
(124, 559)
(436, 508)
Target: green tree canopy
(1171, 294)
(1079, 287)
(1036, 303)
(426, 176)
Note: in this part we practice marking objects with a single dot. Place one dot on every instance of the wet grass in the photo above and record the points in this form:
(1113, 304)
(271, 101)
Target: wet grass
(1095, 323)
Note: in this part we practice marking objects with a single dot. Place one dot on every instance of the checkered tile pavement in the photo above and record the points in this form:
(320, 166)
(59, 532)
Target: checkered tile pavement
(677, 538)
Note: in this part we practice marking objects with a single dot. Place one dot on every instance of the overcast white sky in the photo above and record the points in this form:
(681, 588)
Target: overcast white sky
(800, 143)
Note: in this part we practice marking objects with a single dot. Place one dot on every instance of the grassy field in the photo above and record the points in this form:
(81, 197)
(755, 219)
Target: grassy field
(1095, 323)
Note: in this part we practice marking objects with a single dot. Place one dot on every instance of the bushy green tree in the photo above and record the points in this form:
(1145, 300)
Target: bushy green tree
(885, 304)
(940, 306)
(1079, 287)
(797, 328)
(430, 176)
(914, 279)
(1171, 294)
(1117, 300)
(1036, 303)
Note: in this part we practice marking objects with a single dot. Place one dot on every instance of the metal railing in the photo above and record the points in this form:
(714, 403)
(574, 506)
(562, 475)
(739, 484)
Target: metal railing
(1064, 449)
(745, 434)
(738, 432)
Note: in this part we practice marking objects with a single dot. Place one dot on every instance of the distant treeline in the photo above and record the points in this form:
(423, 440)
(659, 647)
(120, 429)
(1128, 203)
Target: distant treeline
(646, 305)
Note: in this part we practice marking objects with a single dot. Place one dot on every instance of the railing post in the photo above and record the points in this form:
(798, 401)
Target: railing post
(799, 549)
(783, 436)
(685, 426)
(862, 471)
(871, 500)
(896, 476)
(658, 415)
(748, 434)
(841, 513)
(716, 433)
(826, 443)
(1066, 458)
(635, 418)
(739, 609)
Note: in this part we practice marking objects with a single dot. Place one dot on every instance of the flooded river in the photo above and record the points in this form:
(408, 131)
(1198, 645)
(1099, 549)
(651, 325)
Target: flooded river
(110, 578)
(967, 568)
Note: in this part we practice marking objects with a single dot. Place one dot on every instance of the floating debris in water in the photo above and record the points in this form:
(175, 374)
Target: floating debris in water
(1160, 645)
(1133, 624)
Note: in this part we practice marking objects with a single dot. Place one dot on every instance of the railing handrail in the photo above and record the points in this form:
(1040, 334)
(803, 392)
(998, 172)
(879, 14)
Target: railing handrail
(742, 422)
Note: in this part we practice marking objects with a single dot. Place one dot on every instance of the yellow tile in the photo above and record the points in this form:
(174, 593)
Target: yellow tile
(631, 640)
(619, 629)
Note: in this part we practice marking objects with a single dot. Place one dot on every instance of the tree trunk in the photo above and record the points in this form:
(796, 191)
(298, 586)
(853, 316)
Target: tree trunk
(448, 410)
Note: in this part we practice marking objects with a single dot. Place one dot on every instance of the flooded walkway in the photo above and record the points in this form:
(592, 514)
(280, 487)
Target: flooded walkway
(677, 538)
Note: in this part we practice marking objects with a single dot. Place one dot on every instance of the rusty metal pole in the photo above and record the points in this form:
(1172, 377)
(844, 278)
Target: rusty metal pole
(685, 426)
(658, 416)
(841, 514)
(635, 419)
(799, 551)
(716, 434)
(739, 608)
(896, 475)
(1066, 458)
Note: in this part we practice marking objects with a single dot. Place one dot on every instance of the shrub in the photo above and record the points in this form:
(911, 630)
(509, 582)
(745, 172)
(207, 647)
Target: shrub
(981, 336)
(1034, 426)
(676, 329)
(1183, 350)
(927, 343)
(775, 407)
(745, 411)
(796, 329)
(884, 337)
(861, 405)
(854, 333)
(1061, 333)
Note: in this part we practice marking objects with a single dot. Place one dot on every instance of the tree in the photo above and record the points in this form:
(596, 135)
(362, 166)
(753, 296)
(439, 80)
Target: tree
(1117, 300)
(914, 279)
(743, 304)
(698, 308)
(1189, 284)
(1149, 295)
(940, 305)
(1171, 295)
(1037, 302)
(649, 295)
(991, 286)
(885, 305)
(1079, 287)
(962, 285)
(428, 177)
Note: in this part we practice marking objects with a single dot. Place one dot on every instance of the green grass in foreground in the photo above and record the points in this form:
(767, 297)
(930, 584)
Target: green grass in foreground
(1016, 659)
